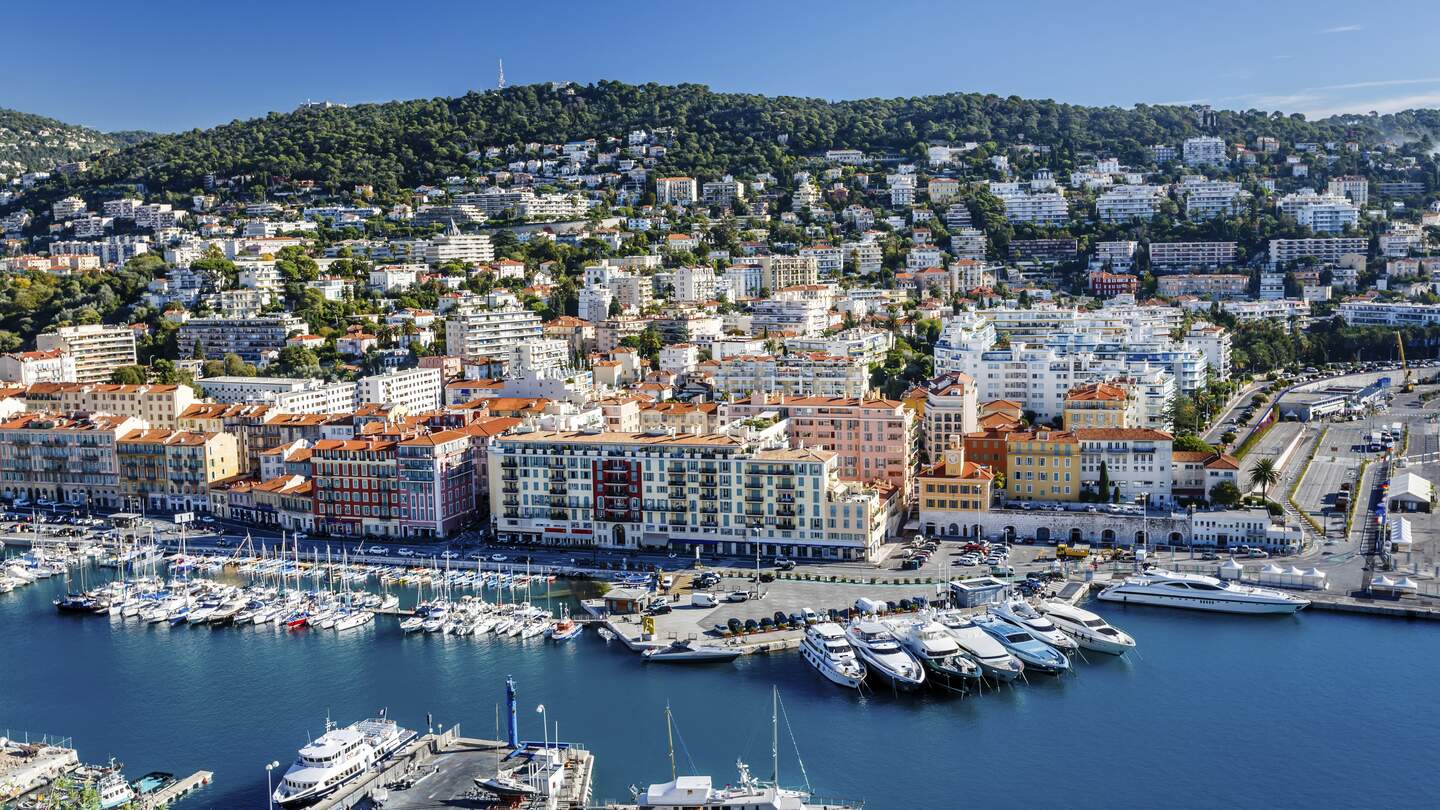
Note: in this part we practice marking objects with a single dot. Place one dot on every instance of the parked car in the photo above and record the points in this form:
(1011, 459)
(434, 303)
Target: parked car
(784, 565)
(497, 558)
(377, 550)
(658, 609)
(737, 596)
(405, 552)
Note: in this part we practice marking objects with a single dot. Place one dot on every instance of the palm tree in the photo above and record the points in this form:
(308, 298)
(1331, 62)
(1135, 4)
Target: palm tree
(1264, 474)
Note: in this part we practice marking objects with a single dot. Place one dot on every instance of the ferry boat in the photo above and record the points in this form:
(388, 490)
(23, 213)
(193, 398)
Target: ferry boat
(337, 757)
(114, 791)
(1199, 592)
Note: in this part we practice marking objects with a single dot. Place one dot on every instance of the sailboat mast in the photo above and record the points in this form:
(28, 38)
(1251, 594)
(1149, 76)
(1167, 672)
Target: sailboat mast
(775, 734)
(670, 737)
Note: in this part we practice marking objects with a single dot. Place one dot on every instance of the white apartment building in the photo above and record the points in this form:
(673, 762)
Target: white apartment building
(29, 368)
(1178, 255)
(1328, 251)
(810, 316)
(418, 390)
(1334, 215)
(1375, 313)
(540, 356)
(744, 280)
(97, 349)
(633, 292)
(723, 191)
(594, 303)
(1213, 341)
(283, 394)
(829, 260)
(1129, 203)
(965, 242)
(794, 375)
(868, 346)
(1037, 202)
(694, 284)
(1207, 199)
(490, 332)
(680, 358)
(1354, 187)
(1203, 151)
(778, 272)
(868, 256)
(1138, 461)
(718, 493)
(1119, 256)
(676, 190)
(454, 246)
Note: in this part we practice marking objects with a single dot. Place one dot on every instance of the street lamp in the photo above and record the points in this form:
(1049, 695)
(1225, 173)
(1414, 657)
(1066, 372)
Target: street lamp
(1145, 518)
(269, 786)
(545, 725)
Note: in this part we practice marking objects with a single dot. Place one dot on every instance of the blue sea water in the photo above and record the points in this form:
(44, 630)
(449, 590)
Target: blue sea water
(1316, 710)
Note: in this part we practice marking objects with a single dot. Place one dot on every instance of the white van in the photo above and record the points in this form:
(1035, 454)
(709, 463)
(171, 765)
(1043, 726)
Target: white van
(700, 599)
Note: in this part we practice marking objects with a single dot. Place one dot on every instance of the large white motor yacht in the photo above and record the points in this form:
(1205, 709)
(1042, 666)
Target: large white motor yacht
(1092, 632)
(1199, 592)
(882, 653)
(338, 756)
(825, 648)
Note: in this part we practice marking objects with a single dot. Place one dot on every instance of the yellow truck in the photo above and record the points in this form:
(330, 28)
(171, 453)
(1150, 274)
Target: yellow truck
(1079, 551)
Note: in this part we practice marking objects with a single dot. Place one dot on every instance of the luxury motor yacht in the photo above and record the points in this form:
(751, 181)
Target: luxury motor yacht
(683, 652)
(992, 657)
(1019, 612)
(881, 651)
(1199, 592)
(1091, 631)
(941, 656)
(339, 756)
(825, 648)
(1033, 652)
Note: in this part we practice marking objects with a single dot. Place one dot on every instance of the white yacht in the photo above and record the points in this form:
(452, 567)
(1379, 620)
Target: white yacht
(1092, 632)
(114, 790)
(995, 661)
(938, 652)
(1199, 592)
(338, 756)
(825, 648)
(1021, 614)
(699, 793)
(881, 651)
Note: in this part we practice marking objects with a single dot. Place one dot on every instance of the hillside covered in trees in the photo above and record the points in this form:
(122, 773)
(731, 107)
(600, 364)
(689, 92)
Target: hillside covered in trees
(403, 143)
(36, 143)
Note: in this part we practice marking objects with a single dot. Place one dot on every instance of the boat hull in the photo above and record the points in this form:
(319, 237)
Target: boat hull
(1205, 605)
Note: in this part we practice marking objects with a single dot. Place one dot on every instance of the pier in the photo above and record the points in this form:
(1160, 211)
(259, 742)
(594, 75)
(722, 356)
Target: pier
(170, 794)
(443, 768)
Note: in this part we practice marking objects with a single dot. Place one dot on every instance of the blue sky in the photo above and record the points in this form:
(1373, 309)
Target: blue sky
(168, 66)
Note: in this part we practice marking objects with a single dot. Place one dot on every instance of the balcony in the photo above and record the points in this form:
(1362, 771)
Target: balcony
(510, 500)
(508, 475)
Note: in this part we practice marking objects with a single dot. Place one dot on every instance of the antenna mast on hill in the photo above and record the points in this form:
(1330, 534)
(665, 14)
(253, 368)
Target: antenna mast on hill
(500, 80)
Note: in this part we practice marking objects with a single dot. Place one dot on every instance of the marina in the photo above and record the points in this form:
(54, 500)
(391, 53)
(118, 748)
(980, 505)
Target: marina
(273, 678)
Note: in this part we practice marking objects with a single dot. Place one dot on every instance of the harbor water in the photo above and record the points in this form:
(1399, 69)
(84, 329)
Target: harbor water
(1311, 710)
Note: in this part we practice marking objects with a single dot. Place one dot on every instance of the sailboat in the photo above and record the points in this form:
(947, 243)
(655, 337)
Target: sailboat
(699, 792)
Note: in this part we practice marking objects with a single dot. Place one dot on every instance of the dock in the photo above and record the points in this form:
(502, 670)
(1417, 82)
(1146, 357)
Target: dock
(170, 794)
(441, 769)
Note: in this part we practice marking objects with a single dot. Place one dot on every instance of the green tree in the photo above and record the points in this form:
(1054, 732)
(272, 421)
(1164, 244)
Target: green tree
(1225, 494)
(128, 375)
(1191, 443)
(1263, 474)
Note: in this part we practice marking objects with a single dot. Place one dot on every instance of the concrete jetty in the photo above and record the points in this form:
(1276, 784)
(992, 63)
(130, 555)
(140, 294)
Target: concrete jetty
(172, 793)
(443, 769)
